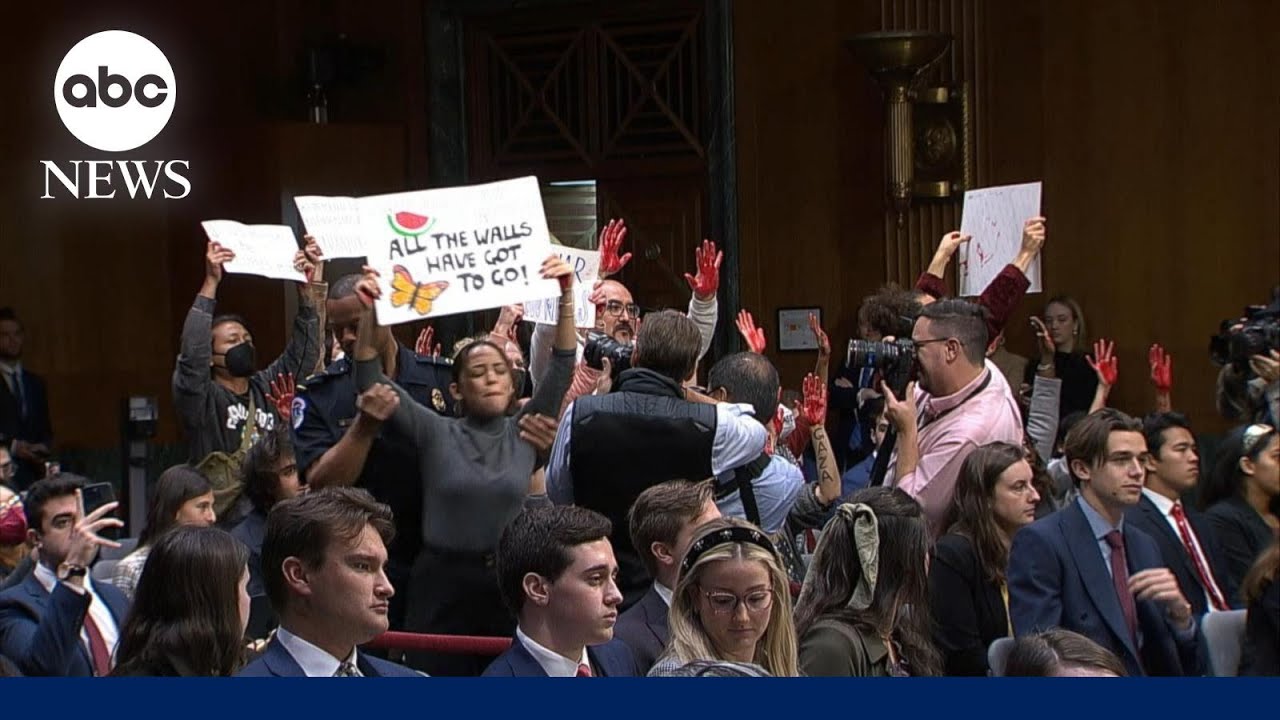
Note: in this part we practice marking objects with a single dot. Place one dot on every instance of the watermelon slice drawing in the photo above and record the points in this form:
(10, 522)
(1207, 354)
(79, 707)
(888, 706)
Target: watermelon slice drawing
(410, 224)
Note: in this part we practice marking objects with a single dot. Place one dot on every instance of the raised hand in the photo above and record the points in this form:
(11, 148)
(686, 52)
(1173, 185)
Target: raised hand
(85, 539)
(824, 343)
(1161, 368)
(611, 238)
(1105, 363)
(952, 242)
(815, 400)
(555, 267)
(707, 282)
(378, 402)
(539, 431)
(1044, 339)
(367, 288)
(900, 413)
(1267, 366)
(281, 396)
(1033, 235)
(309, 258)
(752, 334)
(423, 345)
(215, 255)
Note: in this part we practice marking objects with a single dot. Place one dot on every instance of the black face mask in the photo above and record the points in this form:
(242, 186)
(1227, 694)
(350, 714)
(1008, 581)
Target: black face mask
(241, 360)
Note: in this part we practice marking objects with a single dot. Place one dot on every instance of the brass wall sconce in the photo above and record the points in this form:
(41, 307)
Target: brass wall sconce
(897, 60)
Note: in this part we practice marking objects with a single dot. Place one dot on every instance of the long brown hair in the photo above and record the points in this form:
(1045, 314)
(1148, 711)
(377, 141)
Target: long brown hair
(972, 514)
(1265, 571)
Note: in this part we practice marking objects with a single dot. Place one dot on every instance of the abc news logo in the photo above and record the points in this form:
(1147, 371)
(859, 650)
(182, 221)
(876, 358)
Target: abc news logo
(115, 92)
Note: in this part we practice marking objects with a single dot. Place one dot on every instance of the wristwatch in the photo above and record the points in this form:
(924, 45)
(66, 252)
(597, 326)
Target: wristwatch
(66, 571)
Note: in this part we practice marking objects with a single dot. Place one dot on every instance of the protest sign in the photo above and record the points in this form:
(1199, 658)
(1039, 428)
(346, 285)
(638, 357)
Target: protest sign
(265, 250)
(335, 224)
(586, 270)
(457, 249)
(994, 217)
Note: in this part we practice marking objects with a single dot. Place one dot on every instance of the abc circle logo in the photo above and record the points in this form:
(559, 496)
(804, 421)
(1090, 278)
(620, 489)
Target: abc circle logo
(115, 90)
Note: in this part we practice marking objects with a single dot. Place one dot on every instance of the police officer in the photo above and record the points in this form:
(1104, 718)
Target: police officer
(339, 439)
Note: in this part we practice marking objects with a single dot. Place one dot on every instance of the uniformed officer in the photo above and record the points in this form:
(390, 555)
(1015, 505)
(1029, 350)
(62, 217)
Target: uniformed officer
(339, 438)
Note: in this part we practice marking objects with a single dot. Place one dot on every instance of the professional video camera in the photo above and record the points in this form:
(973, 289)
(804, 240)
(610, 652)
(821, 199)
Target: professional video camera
(1239, 339)
(600, 346)
(896, 360)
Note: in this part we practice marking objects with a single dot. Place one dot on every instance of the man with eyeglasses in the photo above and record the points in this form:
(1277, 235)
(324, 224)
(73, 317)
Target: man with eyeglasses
(618, 315)
(960, 403)
(1085, 569)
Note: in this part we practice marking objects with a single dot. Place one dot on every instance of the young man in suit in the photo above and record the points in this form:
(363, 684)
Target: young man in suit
(58, 622)
(323, 565)
(1184, 536)
(24, 407)
(662, 522)
(1084, 569)
(557, 572)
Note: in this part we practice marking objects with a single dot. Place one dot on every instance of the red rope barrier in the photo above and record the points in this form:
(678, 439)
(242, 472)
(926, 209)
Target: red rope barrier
(446, 644)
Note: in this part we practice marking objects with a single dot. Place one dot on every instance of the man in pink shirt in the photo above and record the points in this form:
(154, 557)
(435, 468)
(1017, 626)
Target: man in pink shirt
(961, 403)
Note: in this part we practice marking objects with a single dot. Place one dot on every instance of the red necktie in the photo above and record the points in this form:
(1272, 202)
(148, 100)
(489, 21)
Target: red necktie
(1120, 578)
(98, 649)
(1206, 579)
(584, 670)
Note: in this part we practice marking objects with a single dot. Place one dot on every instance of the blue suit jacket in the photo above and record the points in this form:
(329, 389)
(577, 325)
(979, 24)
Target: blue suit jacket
(1057, 578)
(643, 627)
(276, 661)
(612, 659)
(40, 631)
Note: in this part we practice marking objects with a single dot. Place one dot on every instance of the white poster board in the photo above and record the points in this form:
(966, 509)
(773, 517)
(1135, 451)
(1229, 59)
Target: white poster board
(993, 217)
(265, 250)
(335, 224)
(586, 269)
(458, 249)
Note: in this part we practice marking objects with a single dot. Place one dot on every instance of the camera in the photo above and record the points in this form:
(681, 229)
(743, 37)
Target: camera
(1257, 333)
(600, 346)
(895, 361)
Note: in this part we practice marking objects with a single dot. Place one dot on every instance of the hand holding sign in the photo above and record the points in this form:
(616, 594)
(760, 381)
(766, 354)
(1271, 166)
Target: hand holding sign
(706, 283)
(266, 250)
(215, 256)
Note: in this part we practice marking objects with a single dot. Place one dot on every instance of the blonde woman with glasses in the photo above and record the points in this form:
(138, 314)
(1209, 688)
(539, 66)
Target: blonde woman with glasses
(731, 605)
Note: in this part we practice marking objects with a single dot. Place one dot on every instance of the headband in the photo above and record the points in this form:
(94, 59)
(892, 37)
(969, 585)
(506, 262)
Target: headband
(734, 534)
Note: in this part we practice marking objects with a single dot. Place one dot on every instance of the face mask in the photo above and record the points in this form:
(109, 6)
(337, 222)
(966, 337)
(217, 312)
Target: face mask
(13, 525)
(241, 360)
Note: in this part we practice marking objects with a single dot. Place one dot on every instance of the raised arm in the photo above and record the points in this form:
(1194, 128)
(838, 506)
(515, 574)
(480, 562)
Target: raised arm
(815, 413)
(946, 249)
(1107, 366)
(1002, 294)
(1162, 377)
(191, 375)
(302, 352)
(703, 308)
(548, 394)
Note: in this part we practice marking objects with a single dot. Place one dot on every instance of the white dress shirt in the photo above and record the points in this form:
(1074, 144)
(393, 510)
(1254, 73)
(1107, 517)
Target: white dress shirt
(664, 592)
(553, 663)
(98, 609)
(1165, 506)
(313, 661)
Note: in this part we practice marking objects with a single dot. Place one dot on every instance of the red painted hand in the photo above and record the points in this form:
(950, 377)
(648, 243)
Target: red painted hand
(281, 396)
(1161, 368)
(424, 346)
(752, 334)
(1105, 363)
(815, 400)
(707, 282)
(611, 238)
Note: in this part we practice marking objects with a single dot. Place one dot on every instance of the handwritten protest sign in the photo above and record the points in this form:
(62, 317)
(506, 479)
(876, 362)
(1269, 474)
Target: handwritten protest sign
(457, 249)
(994, 218)
(586, 269)
(335, 224)
(265, 250)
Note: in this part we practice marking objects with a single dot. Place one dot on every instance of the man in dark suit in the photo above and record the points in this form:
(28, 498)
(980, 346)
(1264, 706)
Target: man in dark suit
(557, 573)
(58, 622)
(1186, 543)
(323, 565)
(662, 522)
(1084, 569)
(24, 406)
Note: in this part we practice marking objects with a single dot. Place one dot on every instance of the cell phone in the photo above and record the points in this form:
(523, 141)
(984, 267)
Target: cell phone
(95, 495)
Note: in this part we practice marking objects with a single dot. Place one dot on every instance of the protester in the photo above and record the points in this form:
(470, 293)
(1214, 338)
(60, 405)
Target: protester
(1238, 497)
(25, 429)
(662, 523)
(556, 570)
(190, 610)
(731, 603)
(1061, 653)
(182, 496)
(475, 474)
(1064, 358)
(270, 475)
(58, 622)
(322, 564)
(870, 566)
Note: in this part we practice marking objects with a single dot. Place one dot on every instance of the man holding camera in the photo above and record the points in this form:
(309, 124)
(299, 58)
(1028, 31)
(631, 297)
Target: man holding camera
(650, 429)
(962, 403)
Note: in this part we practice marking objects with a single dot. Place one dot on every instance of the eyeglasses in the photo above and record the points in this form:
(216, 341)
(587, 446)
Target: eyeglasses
(931, 340)
(1253, 435)
(615, 308)
(725, 603)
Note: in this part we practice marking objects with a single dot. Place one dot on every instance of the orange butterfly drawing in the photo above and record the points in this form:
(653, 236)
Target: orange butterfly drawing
(419, 296)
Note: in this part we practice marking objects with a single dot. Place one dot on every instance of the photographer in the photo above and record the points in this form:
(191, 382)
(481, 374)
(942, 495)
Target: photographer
(963, 403)
(1248, 350)
(650, 429)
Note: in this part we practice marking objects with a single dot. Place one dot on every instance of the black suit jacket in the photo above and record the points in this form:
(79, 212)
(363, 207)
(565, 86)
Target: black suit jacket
(968, 609)
(644, 629)
(1057, 578)
(1147, 517)
(32, 427)
(1243, 535)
